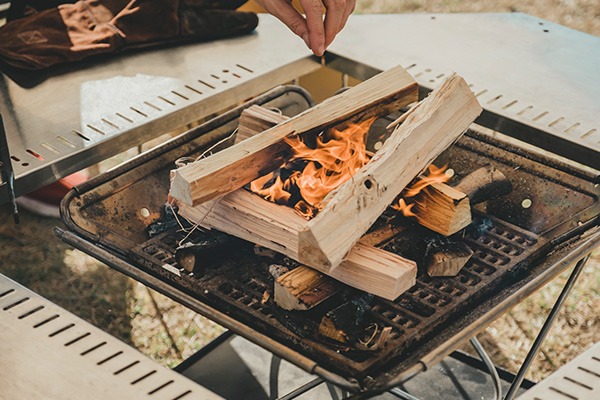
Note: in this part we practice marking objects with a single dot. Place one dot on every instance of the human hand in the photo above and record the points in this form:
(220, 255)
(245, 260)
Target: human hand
(316, 33)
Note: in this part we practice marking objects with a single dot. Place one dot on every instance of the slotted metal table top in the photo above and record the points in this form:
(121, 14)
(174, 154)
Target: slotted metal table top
(530, 75)
(49, 353)
(74, 119)
(578, 379)
(534, 78)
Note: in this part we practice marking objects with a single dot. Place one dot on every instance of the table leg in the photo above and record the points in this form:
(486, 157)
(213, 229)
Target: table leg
(544, 331)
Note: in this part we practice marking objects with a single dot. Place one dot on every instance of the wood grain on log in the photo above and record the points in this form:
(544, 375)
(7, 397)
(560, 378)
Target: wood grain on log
(256, 119)
(244, 162)
(442, 209)
(352, 208)
(250, 217)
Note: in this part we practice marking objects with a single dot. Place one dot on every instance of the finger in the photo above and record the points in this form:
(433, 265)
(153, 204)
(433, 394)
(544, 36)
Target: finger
(314, 21)
(333, 19)
(349, 10)
(286, 13)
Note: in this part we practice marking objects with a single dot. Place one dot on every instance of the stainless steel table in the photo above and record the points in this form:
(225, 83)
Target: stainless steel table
(74, 119)
(49, 353)
(529, 74)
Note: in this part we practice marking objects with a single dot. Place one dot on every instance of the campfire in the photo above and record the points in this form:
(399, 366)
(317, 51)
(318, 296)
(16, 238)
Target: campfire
(314, 170)
(316, 164)
(248, 288)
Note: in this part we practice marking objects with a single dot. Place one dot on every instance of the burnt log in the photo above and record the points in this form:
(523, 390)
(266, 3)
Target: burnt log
(204, 252)
(346, 322)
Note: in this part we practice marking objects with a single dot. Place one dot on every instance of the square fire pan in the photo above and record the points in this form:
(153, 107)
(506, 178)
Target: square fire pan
(523, 247)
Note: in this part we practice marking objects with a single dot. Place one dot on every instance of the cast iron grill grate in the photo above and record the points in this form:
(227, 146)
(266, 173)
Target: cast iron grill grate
(425, 322)
(239, 282)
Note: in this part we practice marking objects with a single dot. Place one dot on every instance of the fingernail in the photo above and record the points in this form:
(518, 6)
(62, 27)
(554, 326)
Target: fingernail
(320, 50)
(305, 38)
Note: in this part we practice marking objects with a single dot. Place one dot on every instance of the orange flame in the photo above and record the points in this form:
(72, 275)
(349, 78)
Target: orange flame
(274, 193)
(409, 209)
(405, 208)
(336, 157)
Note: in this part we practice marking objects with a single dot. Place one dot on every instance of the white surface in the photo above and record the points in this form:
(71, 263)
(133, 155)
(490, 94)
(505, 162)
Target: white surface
(519, 70)
(578, 379)
(48, 362)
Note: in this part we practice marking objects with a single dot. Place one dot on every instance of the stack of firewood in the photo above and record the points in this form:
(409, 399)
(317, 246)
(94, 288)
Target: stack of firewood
(210, 192)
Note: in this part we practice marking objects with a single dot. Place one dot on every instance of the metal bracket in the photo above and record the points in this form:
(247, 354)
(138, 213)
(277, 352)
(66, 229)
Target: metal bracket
(8, 175)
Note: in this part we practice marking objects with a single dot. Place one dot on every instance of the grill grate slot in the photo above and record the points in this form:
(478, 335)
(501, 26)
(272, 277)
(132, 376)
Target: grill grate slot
(88, 351)
(61, 330)
(6, 293)
(46, 321)
(107, 359)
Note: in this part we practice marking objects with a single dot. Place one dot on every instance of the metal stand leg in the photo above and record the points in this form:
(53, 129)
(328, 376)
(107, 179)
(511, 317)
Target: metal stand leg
(274, 377)
(332, 392)
(302, 389)
(544, 331)
(274, 384)
(490, 366)
(401, 394)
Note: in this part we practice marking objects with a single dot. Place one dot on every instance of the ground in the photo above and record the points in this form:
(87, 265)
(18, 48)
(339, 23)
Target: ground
(167, 332)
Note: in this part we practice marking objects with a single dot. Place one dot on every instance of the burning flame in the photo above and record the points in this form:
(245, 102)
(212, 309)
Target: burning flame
(407, 198)
(275, 192)
(333, 159)
(405, 208)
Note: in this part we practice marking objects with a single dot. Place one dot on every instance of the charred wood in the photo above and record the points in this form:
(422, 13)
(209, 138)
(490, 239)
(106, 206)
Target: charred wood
(203, 252)
(346, 322)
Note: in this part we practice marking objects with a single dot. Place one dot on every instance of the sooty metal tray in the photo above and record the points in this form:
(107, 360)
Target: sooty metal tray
(520, 247)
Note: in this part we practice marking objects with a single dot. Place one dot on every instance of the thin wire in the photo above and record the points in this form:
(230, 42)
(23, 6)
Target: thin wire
(180, 162)
(176, 218)
(189, 233)
(275, 109)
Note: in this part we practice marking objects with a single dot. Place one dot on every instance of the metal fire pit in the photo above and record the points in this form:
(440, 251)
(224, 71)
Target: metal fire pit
(517, 249)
